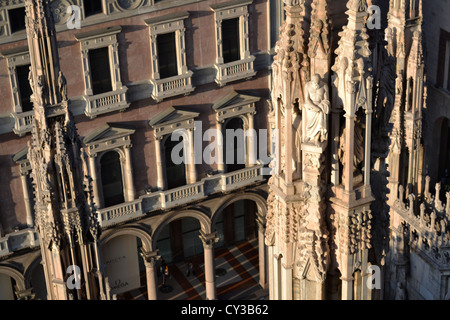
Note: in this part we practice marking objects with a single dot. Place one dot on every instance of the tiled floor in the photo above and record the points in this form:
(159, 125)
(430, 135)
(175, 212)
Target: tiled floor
(240, 281)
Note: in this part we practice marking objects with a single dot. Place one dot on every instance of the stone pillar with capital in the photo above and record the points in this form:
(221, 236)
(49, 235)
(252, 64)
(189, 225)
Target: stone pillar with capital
(150, 259)
(159, 164)
(261, 252)
(252, 150)
(94, 176)
(26, 198)
(210, 273)
(129, 174)
(191, 167)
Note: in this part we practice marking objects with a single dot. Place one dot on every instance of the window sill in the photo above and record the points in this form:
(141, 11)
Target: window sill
(173, 86)
(106, 102)
(236, 70)
(23, 122)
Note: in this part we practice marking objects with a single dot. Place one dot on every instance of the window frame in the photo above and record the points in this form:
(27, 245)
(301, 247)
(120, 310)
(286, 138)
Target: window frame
(101, 141)
(106, 37)
(159, 25)
(243, 68)
(115, 100)
(237, 105)
(164, 124)
(15, 58)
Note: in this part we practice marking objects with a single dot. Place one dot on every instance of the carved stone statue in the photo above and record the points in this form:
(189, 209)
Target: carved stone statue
(358, 153)
(39, 91)
(317, 107)
(62, 86)
(297, 128)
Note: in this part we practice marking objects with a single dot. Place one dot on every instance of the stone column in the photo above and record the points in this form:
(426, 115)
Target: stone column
(220, 164)
(210, 272)
(94, 180)
(150, 259)
(271, 274)
(159, 168)
(252, 152)
(192, 169)
(26, 199)
(286, 280)
(129, 174)
(349, 152)
(261, 253)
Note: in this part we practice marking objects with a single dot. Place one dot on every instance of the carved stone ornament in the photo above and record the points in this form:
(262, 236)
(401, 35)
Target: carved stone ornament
(316, 109)
(129, 4)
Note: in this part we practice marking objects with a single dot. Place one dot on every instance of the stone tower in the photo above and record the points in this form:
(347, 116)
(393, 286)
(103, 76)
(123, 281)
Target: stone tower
(65, 213)
(296, 232)
(319, 219)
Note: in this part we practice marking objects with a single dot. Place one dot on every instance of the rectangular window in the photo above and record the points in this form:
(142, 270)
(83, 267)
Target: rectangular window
(17, 19)
(92, 7)
(24, 87)
(100, 70)
(230, 40)
(167, 55)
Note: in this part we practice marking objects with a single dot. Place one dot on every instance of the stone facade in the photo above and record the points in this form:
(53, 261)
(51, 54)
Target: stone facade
(350, 193)
(356, 119)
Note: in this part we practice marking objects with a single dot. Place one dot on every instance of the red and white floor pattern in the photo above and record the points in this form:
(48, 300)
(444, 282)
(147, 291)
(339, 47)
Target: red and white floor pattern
(240, 262)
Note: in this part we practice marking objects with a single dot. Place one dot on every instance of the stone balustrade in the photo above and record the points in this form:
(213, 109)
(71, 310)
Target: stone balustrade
(120, 213)
(163, 200)
(426, 221)
(23, 122)
(18, 240)
(106, 102)
(236, 70)
(173, 86)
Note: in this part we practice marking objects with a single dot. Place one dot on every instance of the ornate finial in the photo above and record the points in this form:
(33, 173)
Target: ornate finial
(357, 5)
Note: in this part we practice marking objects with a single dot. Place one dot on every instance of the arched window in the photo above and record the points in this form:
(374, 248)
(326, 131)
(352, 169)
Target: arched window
(234, 153)
(175, 173)
(111, 173)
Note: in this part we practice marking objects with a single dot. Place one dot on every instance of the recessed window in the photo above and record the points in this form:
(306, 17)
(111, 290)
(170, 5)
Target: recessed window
(235, 144)
(112, 179)
(92, 7)
(167, 55)
(100, 70)
(230, 40)
(24, 87)
(17, 19)
(175, 173)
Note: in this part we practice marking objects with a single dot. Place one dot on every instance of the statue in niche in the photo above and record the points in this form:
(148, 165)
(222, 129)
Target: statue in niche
(358, 154)
(317, 107)
(62, 83)
(297, 129)
(39, 91)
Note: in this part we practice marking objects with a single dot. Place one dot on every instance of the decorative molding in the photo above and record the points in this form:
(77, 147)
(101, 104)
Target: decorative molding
(243, 68)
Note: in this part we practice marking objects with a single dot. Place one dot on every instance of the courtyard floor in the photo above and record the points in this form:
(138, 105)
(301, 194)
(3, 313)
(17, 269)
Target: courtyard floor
(237, 278)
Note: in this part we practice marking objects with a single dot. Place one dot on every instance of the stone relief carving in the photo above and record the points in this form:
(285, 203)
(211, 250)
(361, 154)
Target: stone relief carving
(317, 107)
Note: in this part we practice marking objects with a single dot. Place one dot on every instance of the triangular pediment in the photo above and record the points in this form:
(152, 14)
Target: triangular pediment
(172, 115)
(234, 99)
(310, 271)
(109, 131)
(20, 156)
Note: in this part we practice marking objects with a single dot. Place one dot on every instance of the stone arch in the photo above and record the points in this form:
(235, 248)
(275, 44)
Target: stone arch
(15, 274)
(205, 222)
(29, 270)
(136, 231)
(230, 199)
